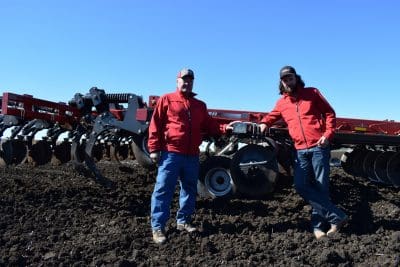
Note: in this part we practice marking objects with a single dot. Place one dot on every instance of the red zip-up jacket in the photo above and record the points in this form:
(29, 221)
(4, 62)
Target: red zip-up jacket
(307, 115)
(179, 123)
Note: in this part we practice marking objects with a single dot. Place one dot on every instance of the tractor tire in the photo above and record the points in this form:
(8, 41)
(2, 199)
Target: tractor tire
(215, 178)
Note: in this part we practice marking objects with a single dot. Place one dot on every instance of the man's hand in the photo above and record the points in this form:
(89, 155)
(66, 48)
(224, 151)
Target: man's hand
(155, 156)
(263, 128)
(229, 126)
(323, 142)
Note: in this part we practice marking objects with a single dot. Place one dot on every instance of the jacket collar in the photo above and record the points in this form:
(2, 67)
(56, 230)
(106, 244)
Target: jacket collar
(298, 92)
(191, 95)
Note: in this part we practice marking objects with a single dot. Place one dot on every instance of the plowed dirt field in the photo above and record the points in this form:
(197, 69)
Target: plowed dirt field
(53, 216)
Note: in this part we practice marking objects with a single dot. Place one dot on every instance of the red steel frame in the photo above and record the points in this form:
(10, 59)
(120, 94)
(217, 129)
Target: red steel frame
(28, 108)
(345, 125)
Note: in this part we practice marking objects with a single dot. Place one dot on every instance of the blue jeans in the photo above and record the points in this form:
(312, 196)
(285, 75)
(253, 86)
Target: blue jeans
(311, 180)
(171, 167)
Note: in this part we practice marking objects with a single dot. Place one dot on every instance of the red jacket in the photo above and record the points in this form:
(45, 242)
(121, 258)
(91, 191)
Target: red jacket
(179, 123)
(308, 116)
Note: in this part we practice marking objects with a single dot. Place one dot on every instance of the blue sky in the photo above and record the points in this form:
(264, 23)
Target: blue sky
(349, 49)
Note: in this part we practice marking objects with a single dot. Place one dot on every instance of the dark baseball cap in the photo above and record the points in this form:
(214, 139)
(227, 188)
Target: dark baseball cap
(185, 72)
(286, 70)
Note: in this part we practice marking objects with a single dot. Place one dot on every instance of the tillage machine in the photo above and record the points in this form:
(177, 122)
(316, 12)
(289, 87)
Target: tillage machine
(99, 126)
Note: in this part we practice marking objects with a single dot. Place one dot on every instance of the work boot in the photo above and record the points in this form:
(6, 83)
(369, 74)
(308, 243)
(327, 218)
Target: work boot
(159, 237)
(319, 233)
(186, 227)
(336, 227)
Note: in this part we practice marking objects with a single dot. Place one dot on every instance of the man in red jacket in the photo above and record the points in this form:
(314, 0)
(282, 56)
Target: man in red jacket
(311, 123)
(176, 130)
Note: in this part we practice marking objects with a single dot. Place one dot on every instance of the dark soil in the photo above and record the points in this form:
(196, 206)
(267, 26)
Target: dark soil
(51, 215)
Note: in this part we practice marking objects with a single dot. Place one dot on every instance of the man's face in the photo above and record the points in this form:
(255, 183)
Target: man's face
(289, 83)
(185, 84)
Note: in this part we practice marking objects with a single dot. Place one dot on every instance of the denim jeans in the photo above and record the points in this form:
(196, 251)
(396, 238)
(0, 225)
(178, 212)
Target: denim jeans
(311, 180)
(174, 166)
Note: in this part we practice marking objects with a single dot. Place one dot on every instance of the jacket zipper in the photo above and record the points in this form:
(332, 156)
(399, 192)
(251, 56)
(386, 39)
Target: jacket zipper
(187, 106)
(301, 125)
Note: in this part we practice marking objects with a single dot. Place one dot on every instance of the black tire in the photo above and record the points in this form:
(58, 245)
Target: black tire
(256, 180)
(215, 177)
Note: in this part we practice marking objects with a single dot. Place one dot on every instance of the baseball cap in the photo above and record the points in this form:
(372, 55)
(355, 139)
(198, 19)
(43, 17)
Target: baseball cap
(185, 72)
(286, 70)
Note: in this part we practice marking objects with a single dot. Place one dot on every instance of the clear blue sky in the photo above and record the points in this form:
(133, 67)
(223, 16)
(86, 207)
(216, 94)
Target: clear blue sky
(350, 50)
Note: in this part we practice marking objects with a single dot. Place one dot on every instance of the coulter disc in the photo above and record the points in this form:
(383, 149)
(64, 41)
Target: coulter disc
(358, 163)
(14, 152)
(368, 165)
(393, 169)
(62, 153)
(347, 160)
(40, 153)
(254, 170)
(380, 166)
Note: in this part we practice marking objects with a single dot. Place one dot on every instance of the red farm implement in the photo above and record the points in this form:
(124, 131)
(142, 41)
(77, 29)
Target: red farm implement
(98, 126)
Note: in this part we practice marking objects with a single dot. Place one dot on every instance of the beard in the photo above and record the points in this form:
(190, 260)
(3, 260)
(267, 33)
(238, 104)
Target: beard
(290, 89)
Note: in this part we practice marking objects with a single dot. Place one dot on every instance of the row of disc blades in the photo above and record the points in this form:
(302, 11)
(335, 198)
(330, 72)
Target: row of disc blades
(377, 166)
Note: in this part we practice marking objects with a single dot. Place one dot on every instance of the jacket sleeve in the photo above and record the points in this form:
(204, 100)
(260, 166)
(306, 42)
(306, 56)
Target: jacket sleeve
(211, 126)
(156, 127)
(329, 115)
(272, 116)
